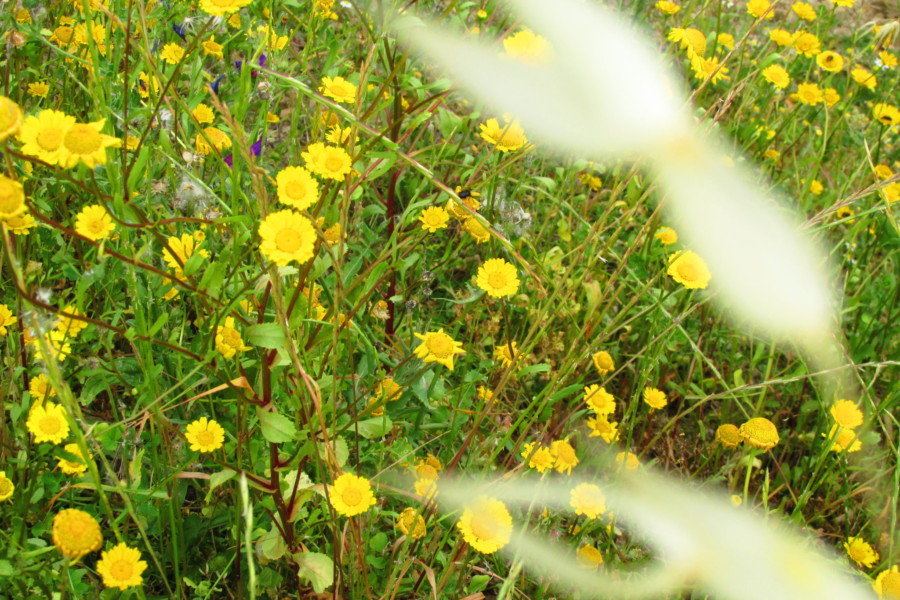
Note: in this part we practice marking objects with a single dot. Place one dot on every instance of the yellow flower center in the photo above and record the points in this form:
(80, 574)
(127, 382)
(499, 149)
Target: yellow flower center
(351, 497)
(687, 271)
(566, 454)
(6, 487)
(121, 570)
(288, 240)
(231, 337)
(497, 280)
(334, 163)
(484, 526)
(295, 189)
(96, 226)
(340, 90)
(82, 139)
(440, 345)
(890, 585)
(206, 438)
(49, 139)
(50, 424)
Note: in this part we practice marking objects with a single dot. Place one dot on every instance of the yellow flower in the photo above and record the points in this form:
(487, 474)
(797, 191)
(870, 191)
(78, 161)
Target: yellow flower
(654, 398)
(887, 584)
(831, 97)
(666, 235)
(507, 353)
(540, 458)
(70, 327)
(864, 77)
(179, 250)
(688, 269)
(215, 136)
(588, 557)
(603, 362)
(234, 21)
(12, 198)
(172, 53)
(76, 533)
(781, 37)
(476, 230)
(506, 138)
(760, 8)
(20, 224)
(498, 278)
(351, 495)
(57, 342)
(38, 89)
(804, 11)
(330, 162)
(601, 427)
(888, 59)
(389, 390)
(426, 488)
(39, 387)
(47, 423)
(411, 523)
(808, 93)
(886, 114)
(527, 47)
(434, 218)
(220, 8)
(212, 48)
(121, 567)
(566, 458)
(203, 114)
(706, 68)
(667, 7)
(599, 400)
(843, 439)
(467, 197)
(332, 235)
(588, 500)
(205, 435)
(287, 236)
(438, 347)
(6, 487)
(846, 414)
(147, 84)
(94, 223)
(83, 142)
(816, 187)
(883, 172)
(72, 467)
(726, 40)
(806, 43)
(629, 460)
(10, 118)
(861, 552)
(339, 135)
(777, 76)
(759, 432)
(830, 61)
(42, 136)
(6, 319)
(228, 339)
(297, 187)
(428, 468)
(486, 524)
(273, 40)
(338, 89)
(729, 435)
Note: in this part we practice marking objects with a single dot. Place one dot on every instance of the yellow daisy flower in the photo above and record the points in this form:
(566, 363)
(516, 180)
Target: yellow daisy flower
(330, 162)
(351, 495)
(287, 236)
(587, 500)
(498, 278)
(76, 533)
(94, 223)
(10, 118)
(506, 138)
(434, 218)
(688, 269)
(6, 487)
(228, 339)
(760, 432)
(486, 524)
(338, 89)
(411, 523)
(121, 567)
(47, 423)
(297, 187)
(205, 435)
(438, 347)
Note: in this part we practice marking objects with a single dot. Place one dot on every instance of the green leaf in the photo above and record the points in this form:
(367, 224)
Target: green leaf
(272, 545)
(315, 567)
(378, 541)
(220, 477)
(375, 428)
(265, 335)
(276, 428)
(339, 447)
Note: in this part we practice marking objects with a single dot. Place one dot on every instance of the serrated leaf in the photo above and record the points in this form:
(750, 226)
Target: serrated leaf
(275, 427)
(315, 567)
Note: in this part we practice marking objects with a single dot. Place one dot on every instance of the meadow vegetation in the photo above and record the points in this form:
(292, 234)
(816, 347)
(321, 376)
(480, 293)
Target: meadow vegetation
(268, 278)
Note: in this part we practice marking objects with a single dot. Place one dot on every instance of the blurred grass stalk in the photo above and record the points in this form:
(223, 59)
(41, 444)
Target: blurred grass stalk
(606, 94)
